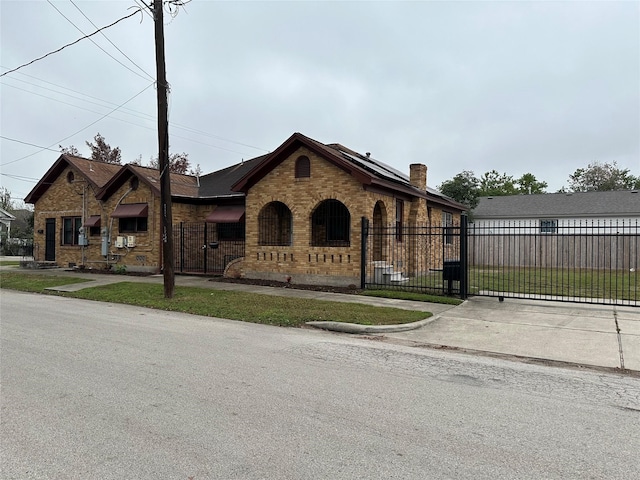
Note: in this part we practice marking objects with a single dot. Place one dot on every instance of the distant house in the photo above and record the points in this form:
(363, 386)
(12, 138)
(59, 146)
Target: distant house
(559, 212)
(5, 224)
(294, 213)
(585, 230)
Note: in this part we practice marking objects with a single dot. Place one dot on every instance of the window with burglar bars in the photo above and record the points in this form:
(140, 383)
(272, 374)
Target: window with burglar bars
(330, 225)
(275, 225)
(231, 231)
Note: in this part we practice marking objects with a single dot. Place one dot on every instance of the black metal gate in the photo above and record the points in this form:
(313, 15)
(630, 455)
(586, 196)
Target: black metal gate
(585, 262)
(425, 258)
(207, 248)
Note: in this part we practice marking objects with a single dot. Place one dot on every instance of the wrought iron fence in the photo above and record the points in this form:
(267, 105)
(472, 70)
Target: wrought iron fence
(207, 248)
(414, 258)
(587, 262)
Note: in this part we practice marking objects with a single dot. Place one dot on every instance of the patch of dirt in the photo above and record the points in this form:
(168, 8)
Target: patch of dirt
(273, 283)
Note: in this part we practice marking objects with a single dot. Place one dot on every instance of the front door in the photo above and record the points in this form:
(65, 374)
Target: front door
(50, 240)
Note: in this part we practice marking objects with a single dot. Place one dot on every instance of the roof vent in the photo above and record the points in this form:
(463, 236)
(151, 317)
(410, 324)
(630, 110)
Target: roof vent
(368, 154)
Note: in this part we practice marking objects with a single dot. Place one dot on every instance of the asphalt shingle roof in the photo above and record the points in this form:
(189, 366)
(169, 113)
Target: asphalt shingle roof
(554, 205)
(218, 184)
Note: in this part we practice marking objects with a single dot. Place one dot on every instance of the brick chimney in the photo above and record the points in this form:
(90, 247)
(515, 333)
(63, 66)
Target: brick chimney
(418, 175)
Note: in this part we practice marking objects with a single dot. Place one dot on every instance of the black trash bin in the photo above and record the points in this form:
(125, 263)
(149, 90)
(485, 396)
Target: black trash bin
(451, 270)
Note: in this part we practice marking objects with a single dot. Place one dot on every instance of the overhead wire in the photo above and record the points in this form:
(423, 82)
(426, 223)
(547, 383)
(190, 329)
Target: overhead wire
(69, 44)
(109, 40)
(149, 77)
(135, 113)
(82, 129)
(27, 143)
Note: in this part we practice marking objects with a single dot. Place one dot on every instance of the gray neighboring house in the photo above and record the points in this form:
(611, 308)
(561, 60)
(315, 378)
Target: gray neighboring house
(579, 212)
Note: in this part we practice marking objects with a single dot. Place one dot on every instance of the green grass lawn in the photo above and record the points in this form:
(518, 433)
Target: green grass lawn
(265, 309)
(415, 296)
(622, 285)
(6, 263)
(34, 282)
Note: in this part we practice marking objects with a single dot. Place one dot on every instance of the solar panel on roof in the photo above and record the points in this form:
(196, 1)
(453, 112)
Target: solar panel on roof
(378, 167)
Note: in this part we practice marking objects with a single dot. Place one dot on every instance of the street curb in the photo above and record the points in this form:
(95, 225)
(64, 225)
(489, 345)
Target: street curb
(514, 357)
(357, 328)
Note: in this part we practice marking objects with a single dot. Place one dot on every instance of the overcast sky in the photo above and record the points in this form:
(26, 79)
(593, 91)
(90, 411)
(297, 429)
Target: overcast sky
(539, 87)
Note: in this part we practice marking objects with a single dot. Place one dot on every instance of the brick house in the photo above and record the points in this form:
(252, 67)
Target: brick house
(304, 208)
(299, 210)
(84, 211)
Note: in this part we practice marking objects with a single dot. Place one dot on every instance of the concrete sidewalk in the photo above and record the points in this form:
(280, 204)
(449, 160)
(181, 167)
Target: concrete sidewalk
(555, 331)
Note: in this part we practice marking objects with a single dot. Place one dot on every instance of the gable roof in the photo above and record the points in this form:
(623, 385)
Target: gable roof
(554, 205)
(6, 216)
(366, 170)
(181, 185)
(96, 173)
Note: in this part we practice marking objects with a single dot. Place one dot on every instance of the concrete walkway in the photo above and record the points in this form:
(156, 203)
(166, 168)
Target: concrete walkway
(552, 331)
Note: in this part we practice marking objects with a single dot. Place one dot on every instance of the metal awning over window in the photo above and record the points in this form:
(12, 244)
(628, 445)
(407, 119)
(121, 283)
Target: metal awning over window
(226, 214)
(92, 221)
(131, 210)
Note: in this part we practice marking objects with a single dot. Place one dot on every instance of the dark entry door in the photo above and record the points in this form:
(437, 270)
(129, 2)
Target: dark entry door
(50, 240)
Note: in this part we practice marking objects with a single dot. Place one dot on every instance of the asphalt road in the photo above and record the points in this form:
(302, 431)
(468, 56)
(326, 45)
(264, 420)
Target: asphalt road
(100, 391)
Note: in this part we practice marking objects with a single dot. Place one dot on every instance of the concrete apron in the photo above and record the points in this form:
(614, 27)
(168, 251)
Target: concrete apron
(556, 331)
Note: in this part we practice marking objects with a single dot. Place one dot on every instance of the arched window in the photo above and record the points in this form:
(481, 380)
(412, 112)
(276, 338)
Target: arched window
(274, 224)
(330, 225)
(303, 167)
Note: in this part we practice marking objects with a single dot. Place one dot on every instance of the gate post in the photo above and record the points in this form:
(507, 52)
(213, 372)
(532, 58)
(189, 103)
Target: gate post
(181, 247)
(364, 234)
(205, 247)
(464, 257)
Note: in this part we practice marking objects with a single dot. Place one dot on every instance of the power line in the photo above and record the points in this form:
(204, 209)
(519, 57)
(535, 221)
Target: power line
(26, 143)
(69, 44)
(20, 177)
(109, 40)
(127, 121)
(92, 41)
(81, 130)
(134, 113)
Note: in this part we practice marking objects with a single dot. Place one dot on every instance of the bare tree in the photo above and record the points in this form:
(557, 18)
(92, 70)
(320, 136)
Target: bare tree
(178, 163)
(101, 151)
(70, 150)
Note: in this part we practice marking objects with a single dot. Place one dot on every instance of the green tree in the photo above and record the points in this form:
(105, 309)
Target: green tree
(494, 184)
(464, 188)
(529, 184)
(602, 177)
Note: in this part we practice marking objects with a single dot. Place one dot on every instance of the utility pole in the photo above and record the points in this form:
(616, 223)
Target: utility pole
(166, 220)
